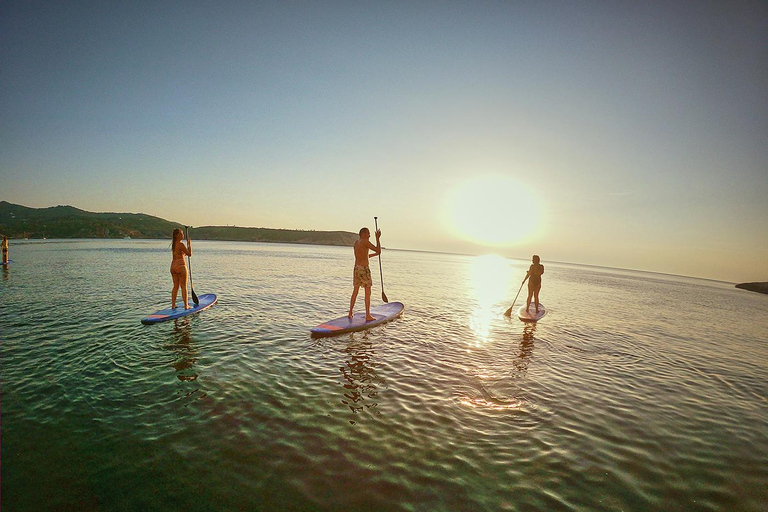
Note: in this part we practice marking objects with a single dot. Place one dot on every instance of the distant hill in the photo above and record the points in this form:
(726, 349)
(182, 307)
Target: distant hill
(292, 236)
(18, 221)
(754, 287)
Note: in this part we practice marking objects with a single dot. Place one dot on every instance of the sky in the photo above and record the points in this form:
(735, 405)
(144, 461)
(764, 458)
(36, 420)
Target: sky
(621, 134)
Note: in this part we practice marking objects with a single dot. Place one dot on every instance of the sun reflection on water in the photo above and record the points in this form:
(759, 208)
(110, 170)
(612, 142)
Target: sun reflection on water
(489, 281)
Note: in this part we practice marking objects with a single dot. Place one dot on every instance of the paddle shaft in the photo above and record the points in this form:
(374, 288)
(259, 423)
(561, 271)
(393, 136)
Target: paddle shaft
(381, 273)
(509, 311)
(189, 263)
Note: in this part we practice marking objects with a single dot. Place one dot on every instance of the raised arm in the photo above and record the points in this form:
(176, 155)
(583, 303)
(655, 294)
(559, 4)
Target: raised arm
(375, 248)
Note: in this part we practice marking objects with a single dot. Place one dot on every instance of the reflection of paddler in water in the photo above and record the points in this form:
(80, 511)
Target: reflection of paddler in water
(528, 331)
(182, 331)
(5, 249)
(181, 345)
(534, 282)
(179, 267)
(362, 273)
(360, 373)
(520, 364)
(526, 348)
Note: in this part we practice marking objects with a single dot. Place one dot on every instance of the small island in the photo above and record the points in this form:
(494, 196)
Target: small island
(754, 287)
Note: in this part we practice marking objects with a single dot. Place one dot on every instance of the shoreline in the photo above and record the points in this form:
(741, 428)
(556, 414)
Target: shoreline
(754, 287)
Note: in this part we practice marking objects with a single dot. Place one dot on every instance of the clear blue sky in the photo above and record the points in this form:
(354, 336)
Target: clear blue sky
(627, 134)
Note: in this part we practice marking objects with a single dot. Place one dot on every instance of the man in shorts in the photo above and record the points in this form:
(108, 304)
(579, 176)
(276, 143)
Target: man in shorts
(362, 273)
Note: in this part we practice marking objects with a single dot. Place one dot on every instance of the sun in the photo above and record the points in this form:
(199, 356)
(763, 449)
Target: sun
(493, 211)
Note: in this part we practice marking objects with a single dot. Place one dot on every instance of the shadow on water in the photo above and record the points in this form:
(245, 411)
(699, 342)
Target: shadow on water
(518, 370)
(180, 343)
(360, 376)
(526, 349)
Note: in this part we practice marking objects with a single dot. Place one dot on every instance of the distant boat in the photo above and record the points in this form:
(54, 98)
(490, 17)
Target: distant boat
(126, 237)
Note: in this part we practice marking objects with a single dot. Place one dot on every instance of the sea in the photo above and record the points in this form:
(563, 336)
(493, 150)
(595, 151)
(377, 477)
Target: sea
(636, 392)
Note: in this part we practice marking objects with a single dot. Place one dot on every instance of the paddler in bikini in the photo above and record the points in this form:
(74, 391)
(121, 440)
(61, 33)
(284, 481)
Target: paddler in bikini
(179, 267)
(362, 273)
(534, 282)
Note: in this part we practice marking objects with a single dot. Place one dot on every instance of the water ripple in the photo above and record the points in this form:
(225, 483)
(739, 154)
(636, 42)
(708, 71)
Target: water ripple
(606, 404)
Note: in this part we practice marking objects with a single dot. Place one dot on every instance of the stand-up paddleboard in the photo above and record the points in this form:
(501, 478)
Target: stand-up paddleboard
(206, 301)
(382, 313)
(6, 262)
(531, 315)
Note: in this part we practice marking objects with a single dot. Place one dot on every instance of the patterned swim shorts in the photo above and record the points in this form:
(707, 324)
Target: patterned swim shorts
(362, 276)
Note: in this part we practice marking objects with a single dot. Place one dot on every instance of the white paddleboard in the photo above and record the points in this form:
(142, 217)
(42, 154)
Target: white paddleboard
(382, 313)
(531, 315)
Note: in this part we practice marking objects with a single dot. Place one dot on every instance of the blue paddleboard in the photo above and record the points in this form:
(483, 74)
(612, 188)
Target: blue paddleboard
(531, 315)
(382, 313)
(206, 301)
(6, 262)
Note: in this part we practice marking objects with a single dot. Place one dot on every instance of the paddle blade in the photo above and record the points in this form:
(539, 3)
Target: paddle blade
(509, 311)
(194, 297)
(384, 296)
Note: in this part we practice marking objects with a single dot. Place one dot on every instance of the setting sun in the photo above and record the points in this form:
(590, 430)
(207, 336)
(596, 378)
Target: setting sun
(493, 211)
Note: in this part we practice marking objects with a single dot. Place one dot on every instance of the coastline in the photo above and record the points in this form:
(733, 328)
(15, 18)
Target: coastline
(68, 222)
(754, 287)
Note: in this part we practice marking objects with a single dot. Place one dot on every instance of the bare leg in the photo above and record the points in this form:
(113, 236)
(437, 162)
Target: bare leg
(175, 291)
(368, 316)
(528, 300)
(352, 300)
(536, 299)
(184, 291)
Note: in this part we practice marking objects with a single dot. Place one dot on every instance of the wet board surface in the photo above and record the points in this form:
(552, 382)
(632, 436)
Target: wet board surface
(382, 314)
(531, 315)
(207, 300)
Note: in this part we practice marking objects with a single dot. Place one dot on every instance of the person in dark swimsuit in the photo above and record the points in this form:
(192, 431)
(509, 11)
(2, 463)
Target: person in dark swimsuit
(534, 282)
(5, 249)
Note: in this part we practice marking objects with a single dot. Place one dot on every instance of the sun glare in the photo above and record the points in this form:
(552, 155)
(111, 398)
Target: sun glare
(493, 211)
(489, 280)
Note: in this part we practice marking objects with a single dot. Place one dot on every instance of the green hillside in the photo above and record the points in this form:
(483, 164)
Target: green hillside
(274, 235)
(18, 221)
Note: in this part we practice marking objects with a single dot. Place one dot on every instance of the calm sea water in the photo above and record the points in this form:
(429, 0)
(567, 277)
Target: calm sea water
(636, 392)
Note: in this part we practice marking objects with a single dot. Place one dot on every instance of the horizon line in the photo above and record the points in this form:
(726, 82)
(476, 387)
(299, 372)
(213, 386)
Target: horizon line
(396, 249)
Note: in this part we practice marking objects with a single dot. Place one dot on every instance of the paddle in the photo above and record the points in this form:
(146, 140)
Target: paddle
(381, 274)
(509, 311)
(189, 262)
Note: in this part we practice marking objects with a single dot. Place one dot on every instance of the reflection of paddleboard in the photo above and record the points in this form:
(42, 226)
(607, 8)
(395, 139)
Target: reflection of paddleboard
(383, 313)
(206, 301)
(531, 315)
(6, 262)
